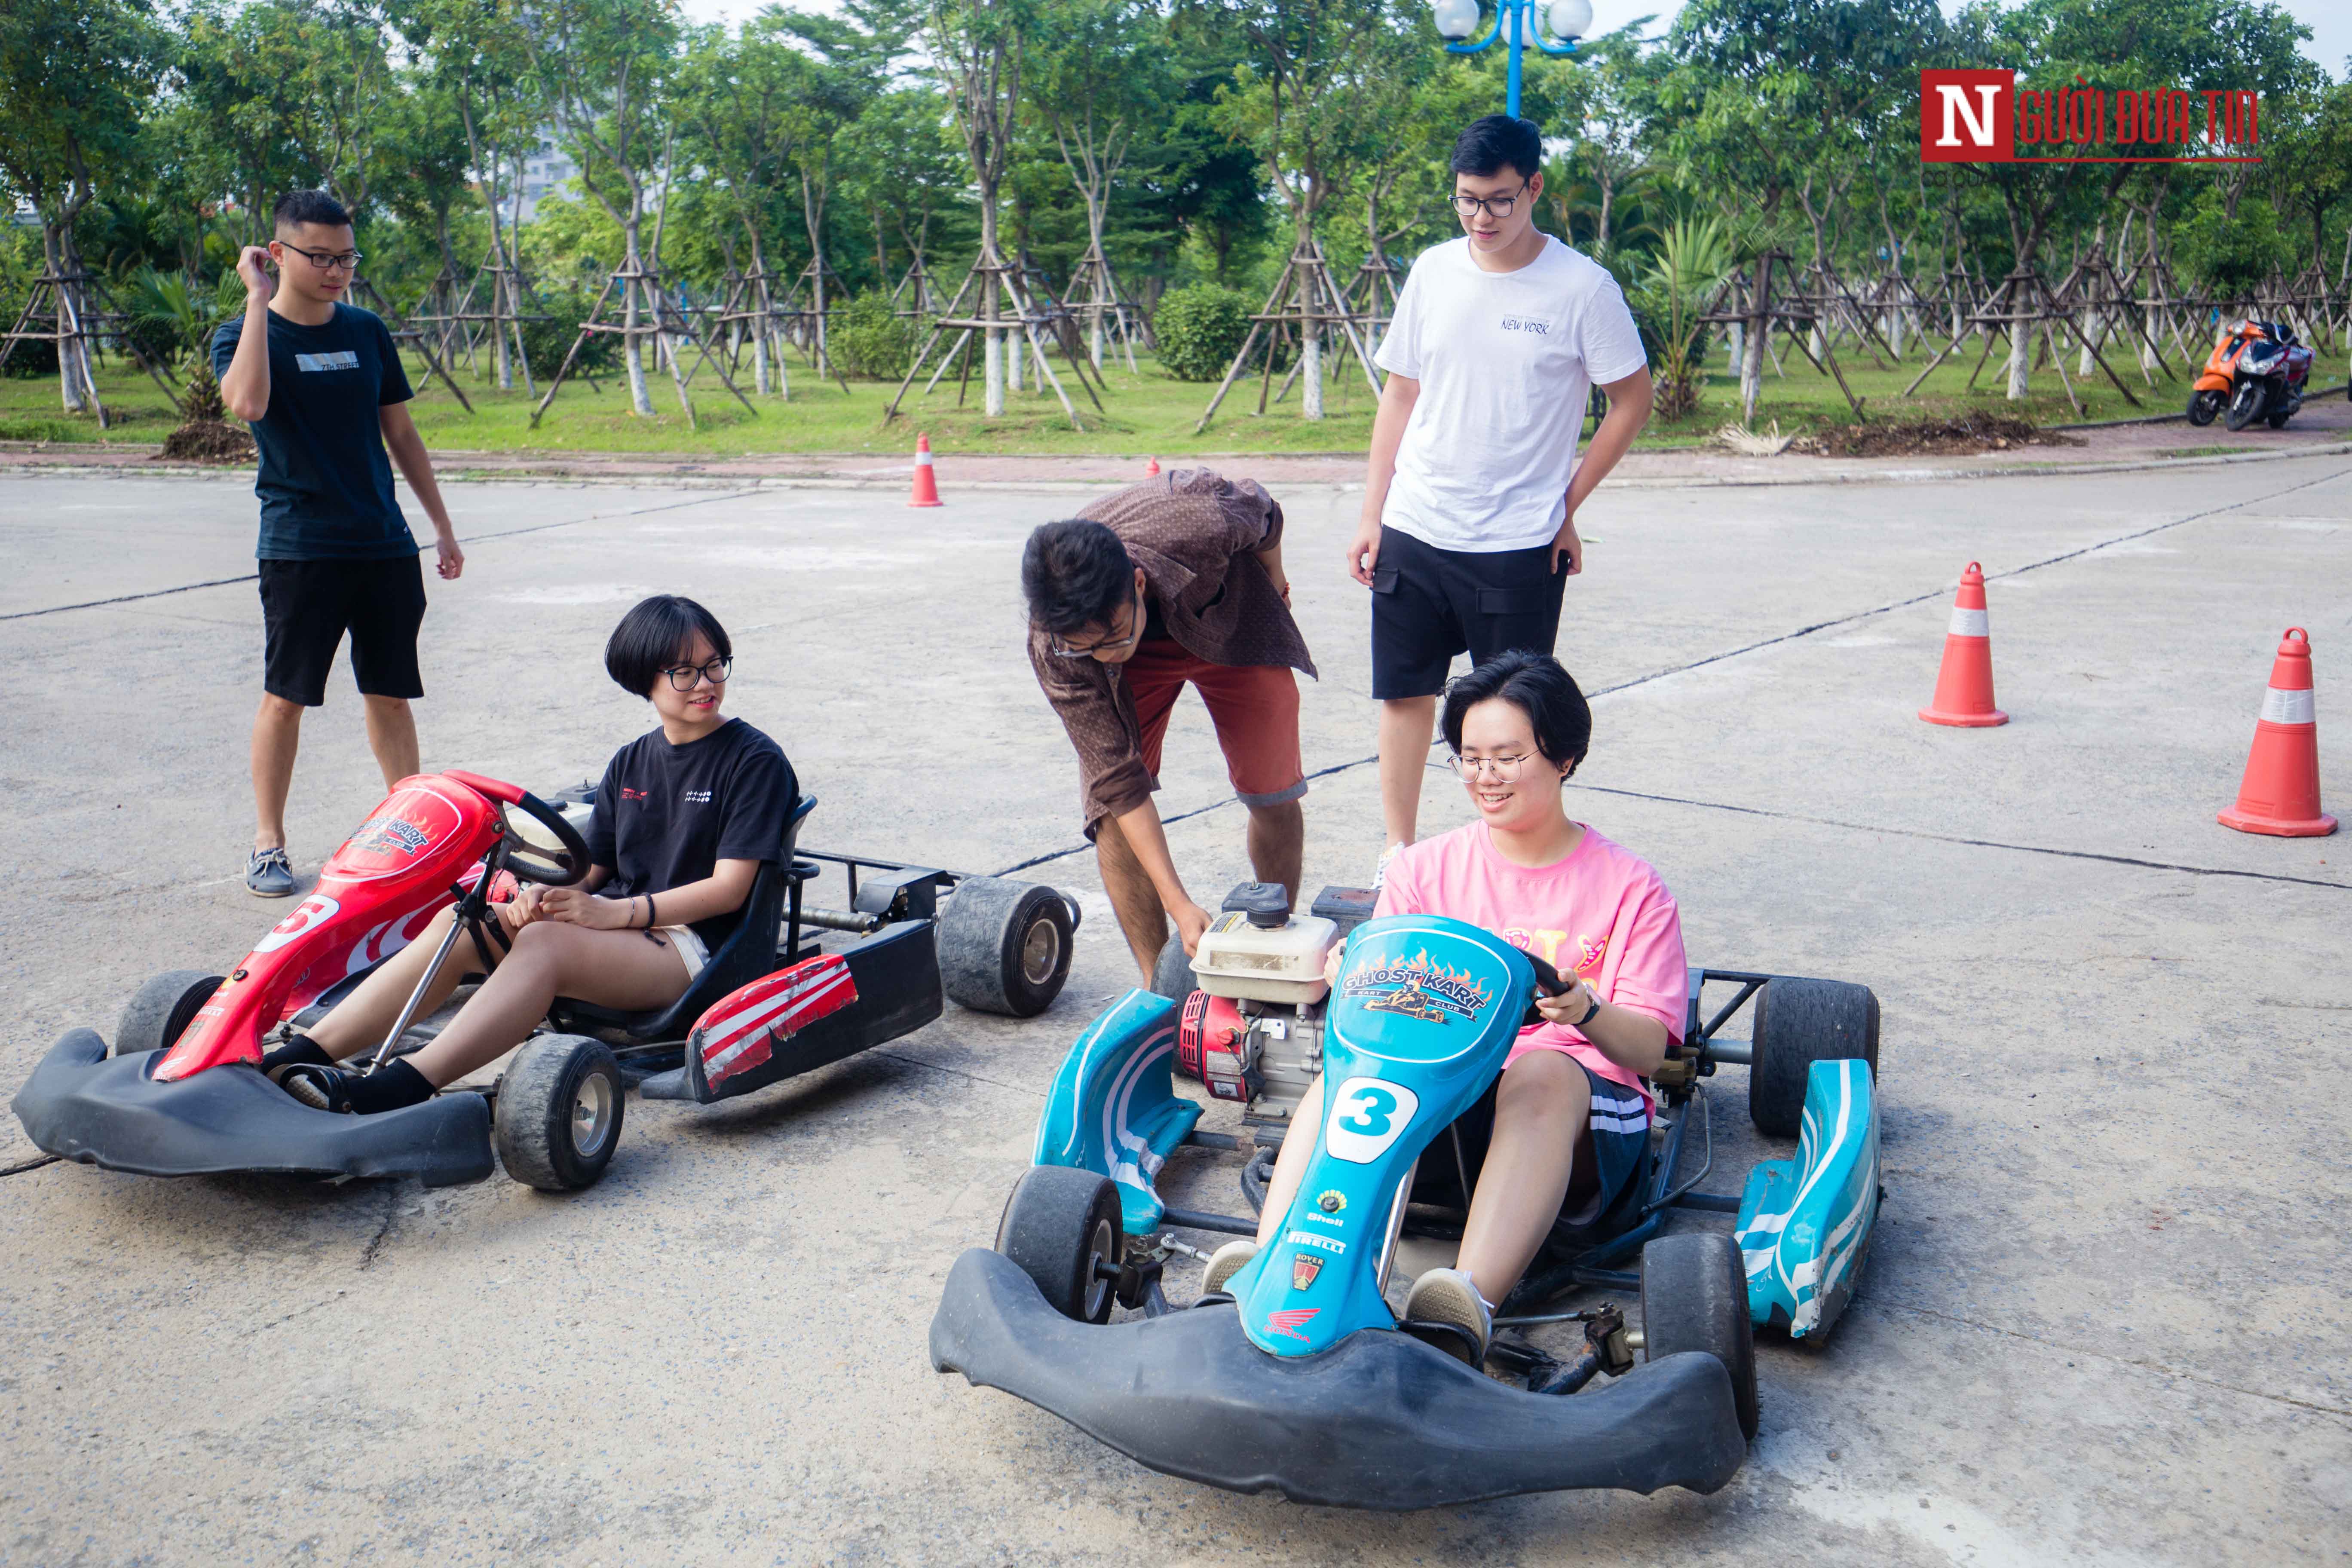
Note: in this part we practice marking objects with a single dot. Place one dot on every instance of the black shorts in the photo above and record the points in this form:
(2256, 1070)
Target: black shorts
(1429, 605)
(1604, 1185)
(308, 605)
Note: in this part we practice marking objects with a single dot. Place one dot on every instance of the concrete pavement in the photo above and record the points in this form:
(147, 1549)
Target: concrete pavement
(2104, 1321)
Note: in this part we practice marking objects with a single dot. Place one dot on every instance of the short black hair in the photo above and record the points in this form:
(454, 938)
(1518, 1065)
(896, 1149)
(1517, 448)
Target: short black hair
(1539, 685)
(654, 636)
(1489, 146)
(1075, 573)
(297, 207)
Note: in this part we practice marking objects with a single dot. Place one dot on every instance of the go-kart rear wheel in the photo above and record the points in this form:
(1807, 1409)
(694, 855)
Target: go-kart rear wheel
(1173, 975)
(559, 1113)
(1004, 946)
(1799, 1023)
(160, 1011)
(1694, 1298)
(1062, 1227)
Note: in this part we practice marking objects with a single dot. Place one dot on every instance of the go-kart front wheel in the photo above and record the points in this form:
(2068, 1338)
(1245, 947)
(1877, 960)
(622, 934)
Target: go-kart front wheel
(1062, 1227)
(1694, 1298)
(559, 1113)
(1799, 1023)
(1004, 946)
(161, 1011)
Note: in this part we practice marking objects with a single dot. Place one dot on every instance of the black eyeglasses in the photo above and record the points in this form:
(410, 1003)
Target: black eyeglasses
(1061, 649)
(682, 677)
(1500, 206)
(326, 261)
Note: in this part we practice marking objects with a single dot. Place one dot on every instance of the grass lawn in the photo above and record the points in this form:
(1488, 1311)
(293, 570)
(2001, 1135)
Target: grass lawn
(1147, 413)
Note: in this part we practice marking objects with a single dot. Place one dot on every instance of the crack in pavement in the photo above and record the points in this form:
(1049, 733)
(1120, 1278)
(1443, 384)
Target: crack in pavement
(475, 538)
(2143, 1363)
(1969, 843)
(384, 1231)
(1888, 608)
(19, 1169)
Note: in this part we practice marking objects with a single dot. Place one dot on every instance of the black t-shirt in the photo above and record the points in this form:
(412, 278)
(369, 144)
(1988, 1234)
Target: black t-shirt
(666, 816)
(325, 481)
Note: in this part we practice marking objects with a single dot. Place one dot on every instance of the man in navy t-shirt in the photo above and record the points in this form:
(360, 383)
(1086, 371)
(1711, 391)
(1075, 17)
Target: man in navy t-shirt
(323, 388)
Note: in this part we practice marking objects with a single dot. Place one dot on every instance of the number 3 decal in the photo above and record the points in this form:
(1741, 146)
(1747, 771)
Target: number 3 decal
(1367, 1115)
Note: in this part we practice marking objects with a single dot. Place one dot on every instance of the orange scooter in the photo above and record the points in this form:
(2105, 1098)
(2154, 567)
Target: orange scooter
(2256, 371)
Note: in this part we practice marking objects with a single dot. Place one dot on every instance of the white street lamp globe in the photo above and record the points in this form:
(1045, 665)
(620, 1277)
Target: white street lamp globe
(1459, 18)
(1570, 18)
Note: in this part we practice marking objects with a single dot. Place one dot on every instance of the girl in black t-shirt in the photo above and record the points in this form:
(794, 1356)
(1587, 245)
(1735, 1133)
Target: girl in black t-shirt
(684, 818)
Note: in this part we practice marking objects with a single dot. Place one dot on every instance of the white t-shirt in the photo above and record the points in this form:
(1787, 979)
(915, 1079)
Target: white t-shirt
(1504, 362)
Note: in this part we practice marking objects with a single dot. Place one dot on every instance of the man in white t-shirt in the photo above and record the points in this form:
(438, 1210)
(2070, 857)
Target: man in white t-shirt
(1468, 533)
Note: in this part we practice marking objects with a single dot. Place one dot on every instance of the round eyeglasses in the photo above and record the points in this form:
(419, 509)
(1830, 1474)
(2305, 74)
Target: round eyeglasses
(1503, 769)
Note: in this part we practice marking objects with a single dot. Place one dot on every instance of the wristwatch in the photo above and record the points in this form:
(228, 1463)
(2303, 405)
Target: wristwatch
(1588, 1012)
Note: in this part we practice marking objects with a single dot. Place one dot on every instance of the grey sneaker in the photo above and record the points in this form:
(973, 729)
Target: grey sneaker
(267, 874)
(1447, 1296)
(1225, 1263)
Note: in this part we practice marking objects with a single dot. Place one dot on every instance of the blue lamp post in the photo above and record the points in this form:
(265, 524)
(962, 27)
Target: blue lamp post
(1568, 20)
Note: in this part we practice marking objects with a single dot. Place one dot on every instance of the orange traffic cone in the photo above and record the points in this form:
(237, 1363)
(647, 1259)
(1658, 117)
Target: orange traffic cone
(2281, 792)
(1964, 686)
(1151, 470)
(927, 485)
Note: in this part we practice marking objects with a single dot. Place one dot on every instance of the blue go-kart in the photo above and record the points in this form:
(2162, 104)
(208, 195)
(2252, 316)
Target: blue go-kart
(1299, 1378)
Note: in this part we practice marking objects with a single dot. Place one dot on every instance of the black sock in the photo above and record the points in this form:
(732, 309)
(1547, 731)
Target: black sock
(298, 1048)
(390, 1087)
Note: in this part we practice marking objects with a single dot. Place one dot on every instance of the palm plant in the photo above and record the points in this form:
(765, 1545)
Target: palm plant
(169, 312)
(1694, 260)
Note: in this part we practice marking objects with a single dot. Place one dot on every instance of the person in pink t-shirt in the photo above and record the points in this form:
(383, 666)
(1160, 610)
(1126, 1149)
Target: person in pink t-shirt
(1562, 1134)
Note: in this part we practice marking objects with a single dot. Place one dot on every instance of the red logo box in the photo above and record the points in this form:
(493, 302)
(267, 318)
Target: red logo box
(1968, 117)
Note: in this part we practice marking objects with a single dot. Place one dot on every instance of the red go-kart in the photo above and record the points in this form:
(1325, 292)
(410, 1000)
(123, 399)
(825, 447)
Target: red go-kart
(180, 1091)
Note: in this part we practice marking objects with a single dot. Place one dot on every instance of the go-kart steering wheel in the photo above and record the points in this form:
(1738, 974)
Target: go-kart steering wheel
(523, 857)
(1547, 983)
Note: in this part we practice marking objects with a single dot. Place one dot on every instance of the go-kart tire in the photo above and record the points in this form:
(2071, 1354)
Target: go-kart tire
(559, 1113)
(2204, 407)
(161, 1010)
(1694, 1298)
(1058, 1225)
(1004, 946)
(2246, 404)
(1172, 975)
(1799, 1023)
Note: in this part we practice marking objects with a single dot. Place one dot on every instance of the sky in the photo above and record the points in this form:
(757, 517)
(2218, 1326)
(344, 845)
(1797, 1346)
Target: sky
(2330, 21)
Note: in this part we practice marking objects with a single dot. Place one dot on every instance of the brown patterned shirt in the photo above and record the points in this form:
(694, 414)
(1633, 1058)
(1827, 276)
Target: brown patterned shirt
(1195, 535)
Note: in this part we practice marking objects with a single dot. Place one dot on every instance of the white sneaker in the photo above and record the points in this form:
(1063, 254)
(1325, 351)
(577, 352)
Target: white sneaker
(1448, 1296)
(1225, 1262)
(1381, 871)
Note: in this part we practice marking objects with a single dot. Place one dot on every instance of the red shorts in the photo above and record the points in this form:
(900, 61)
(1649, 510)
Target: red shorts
(1253, 706)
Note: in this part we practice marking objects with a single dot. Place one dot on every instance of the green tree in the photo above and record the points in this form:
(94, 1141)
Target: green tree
(73, 77)
(601, 67)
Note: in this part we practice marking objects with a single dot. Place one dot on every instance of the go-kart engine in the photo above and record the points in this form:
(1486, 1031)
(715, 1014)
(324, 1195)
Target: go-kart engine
(1253, 1032)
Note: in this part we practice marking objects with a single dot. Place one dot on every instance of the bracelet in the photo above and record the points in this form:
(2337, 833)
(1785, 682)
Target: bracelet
(1589, 1013)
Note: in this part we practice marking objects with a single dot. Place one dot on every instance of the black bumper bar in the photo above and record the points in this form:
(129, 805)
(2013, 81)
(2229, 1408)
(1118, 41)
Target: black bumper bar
(83, 1105)
(1379, 1421)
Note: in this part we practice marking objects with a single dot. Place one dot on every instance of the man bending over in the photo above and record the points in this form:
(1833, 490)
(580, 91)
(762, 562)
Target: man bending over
(1174, 580)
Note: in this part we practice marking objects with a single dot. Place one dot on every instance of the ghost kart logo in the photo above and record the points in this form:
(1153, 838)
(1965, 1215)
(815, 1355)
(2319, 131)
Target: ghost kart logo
(390, 835)
(1417, 989)
(1984, 117)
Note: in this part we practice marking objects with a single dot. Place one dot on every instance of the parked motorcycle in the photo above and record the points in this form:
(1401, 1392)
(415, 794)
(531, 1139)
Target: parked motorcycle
(2257, 372)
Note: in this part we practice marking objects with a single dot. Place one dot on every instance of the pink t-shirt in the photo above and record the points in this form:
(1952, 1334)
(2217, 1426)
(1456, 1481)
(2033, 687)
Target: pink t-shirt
(1601, 915)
